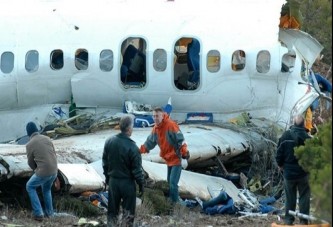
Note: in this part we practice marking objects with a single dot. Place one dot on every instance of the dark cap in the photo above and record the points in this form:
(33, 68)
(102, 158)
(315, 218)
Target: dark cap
(31, 128)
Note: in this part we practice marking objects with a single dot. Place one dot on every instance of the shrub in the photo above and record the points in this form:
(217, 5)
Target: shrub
(316, 158)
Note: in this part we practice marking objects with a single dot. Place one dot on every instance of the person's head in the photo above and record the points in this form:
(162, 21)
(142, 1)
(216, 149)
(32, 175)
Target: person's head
(31, 128)
(158, 113)
(299, 121)
(126, 124)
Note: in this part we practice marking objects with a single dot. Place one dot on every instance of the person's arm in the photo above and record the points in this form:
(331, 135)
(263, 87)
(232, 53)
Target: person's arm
(149, 144)
(137, 169)
(181, 143)
(105, 163)
(184, 151)
(280, 154)
(31, 159)
(136, 161)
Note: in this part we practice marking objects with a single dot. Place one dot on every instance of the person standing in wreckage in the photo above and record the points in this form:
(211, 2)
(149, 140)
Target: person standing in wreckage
(42, 159)
(122, 166)
(173, 148)
(295, 178)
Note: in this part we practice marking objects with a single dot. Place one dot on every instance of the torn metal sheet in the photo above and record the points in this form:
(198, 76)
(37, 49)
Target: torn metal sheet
(80, 167)
(305, 44)
(190, 183)
(204, 143)
(78, 178)
(195, 184)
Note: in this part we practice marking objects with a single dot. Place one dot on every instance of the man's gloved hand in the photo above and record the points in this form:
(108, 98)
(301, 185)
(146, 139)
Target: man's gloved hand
(184, 163)
(141, 190)
(186, 156)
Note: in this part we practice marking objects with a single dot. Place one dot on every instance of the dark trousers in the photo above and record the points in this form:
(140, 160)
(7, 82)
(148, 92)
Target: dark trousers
(121, 192)
(291, 188)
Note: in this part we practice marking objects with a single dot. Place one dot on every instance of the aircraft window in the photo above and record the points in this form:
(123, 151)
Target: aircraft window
(213, 61)
(57, 59)
(263, 61)
(238, 60)
(305, 71)
(32, 61)
(288, 62)
(7, 62)
(106, 60)
(187, 63)
(133, 65)
(81, 59)
(160, 60)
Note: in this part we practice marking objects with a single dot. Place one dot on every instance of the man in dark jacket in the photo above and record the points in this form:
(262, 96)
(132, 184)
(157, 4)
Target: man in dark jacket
(42, 159)
(295, 178)
(122, 165)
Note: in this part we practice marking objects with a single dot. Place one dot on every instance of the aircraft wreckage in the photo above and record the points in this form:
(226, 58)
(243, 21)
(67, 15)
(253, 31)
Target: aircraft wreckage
(251, 101)
(212, 145)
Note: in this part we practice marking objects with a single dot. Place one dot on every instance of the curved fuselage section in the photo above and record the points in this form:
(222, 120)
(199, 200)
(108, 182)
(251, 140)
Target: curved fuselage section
(50, 26)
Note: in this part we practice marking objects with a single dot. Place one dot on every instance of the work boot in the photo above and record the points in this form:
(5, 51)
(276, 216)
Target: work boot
(38, 218)
(303, 221)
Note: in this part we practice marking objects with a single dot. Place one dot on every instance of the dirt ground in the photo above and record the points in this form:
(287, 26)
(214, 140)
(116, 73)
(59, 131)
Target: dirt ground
(181, 217)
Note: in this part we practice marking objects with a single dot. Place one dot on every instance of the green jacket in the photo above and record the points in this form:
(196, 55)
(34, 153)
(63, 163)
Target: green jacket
(122, 159)
(285, 156)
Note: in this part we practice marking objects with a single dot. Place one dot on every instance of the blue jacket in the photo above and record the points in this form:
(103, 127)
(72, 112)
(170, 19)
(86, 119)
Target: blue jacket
(222, 204)
(227, 208)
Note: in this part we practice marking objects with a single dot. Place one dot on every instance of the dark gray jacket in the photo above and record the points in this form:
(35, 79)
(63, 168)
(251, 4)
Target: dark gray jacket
(285, 157)
(122, 159)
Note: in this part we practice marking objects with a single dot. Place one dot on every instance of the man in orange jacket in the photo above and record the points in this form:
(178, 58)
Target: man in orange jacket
(167, 135)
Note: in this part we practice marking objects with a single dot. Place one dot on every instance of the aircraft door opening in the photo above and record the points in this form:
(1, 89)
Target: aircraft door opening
(133, 63)
(187, 63)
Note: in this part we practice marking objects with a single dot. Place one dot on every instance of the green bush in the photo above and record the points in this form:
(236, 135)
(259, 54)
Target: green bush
(316, 158)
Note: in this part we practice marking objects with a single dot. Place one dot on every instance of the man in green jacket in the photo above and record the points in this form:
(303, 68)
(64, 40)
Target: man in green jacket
(122, 165)
(296, 180)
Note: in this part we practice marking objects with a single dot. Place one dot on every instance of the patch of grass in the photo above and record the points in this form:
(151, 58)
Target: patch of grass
(155, 200)
(76, 206)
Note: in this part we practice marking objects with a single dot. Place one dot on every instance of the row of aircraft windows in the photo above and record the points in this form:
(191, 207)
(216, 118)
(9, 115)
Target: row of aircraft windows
(106, 60)
(133, 65)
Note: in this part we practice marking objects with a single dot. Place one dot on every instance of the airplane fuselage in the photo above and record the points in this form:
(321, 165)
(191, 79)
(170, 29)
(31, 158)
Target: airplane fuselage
(53, 52)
